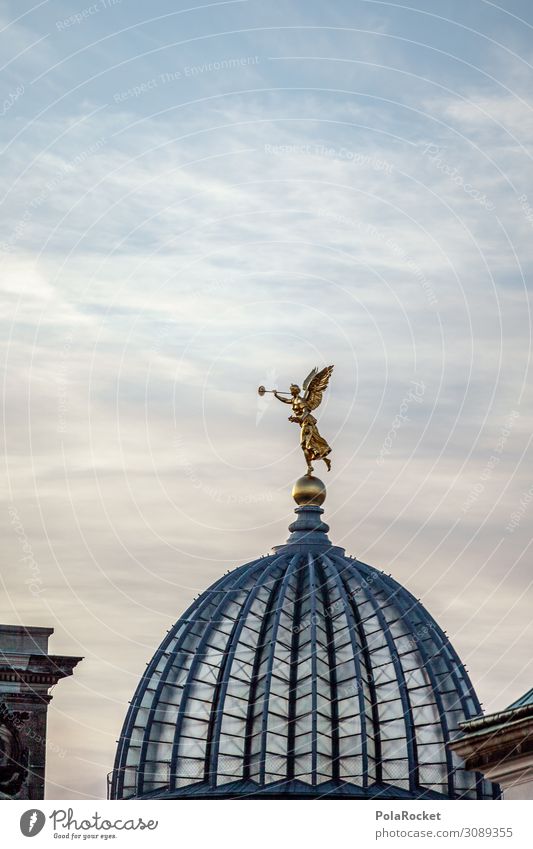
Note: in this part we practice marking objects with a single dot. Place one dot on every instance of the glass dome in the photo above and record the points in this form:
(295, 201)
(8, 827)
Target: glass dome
(304, 674)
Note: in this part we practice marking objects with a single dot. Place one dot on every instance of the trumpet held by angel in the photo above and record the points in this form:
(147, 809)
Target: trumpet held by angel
(303, 401)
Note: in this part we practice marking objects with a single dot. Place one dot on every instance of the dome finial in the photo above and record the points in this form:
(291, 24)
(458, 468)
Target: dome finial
(309, 490)
(314, 446)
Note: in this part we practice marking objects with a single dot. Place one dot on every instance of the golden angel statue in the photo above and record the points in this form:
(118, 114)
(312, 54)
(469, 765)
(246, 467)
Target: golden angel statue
(313, 445)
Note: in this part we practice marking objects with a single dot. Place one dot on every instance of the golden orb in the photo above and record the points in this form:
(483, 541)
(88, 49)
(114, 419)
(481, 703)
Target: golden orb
(309, 490)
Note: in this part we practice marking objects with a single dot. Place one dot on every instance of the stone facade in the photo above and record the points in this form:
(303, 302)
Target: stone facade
(27, 672)
(500, 745)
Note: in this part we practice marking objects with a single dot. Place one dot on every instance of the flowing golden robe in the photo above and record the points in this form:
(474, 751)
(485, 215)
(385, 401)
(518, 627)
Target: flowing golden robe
(313, 445)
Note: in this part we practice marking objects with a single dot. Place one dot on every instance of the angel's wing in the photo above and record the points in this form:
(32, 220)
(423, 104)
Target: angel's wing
(318, 382)
(308, 379)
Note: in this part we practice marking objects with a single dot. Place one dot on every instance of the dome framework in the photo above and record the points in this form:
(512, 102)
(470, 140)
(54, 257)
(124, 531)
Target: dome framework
(304, 674)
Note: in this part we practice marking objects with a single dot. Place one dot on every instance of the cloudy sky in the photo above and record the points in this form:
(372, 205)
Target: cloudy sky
(199, 200)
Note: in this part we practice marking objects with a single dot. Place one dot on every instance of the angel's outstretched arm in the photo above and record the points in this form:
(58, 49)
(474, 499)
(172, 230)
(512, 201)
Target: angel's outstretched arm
(281, 398)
